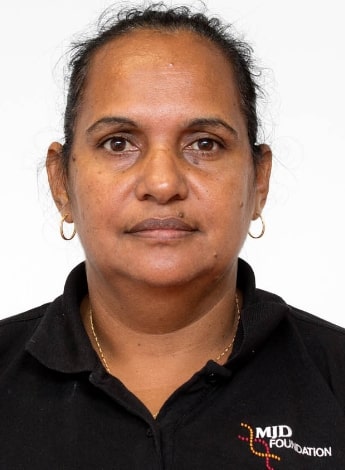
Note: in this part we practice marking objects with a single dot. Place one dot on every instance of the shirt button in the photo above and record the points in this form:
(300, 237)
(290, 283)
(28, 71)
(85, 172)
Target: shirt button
(149, 432)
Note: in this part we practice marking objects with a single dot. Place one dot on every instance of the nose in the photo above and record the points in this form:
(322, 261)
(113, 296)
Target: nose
(161, 177)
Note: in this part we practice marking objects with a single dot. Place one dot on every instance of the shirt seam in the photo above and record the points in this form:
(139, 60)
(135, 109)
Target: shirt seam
(9, 321)
(299, 316)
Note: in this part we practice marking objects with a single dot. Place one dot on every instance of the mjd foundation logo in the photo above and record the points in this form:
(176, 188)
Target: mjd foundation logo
(264, 442)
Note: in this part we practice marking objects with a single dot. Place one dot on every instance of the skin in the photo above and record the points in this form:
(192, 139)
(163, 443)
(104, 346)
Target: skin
(161, 188)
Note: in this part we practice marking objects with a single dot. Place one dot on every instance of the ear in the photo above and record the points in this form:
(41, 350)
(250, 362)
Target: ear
(57, 178)
(263, 173)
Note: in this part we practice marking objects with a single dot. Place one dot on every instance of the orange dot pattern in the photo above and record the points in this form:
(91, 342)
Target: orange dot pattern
(267, 455)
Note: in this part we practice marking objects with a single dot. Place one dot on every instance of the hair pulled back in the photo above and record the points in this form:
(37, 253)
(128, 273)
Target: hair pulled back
(159, 17)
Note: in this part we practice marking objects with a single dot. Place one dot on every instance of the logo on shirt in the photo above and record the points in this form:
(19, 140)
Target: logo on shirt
(265, 442)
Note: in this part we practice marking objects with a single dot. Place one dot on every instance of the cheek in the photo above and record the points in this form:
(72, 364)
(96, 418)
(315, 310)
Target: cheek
(233, 194)
(230, 208)
(88, 196)
(100, 201)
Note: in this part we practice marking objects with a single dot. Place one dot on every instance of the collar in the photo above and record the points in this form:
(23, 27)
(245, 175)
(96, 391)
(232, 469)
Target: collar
(262, 312)
(60, 341)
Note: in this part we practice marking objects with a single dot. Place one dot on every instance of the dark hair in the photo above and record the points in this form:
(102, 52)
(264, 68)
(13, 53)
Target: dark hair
(159, 17)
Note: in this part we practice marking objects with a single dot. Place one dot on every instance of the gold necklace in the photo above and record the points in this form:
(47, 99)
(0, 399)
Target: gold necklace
(217, 359)
(97, 342)
(229, 346)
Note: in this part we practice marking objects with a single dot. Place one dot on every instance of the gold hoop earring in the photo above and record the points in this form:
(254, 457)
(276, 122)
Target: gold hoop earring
(61, 229)
(263, 228)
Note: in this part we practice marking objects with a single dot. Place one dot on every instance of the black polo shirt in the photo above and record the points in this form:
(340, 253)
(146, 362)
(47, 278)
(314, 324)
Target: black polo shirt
(277, 404)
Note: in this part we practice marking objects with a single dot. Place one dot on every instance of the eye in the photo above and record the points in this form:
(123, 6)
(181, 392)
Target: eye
(205, 144)
(118, 144)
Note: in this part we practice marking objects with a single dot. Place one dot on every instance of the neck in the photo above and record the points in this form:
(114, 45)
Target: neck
(162, 320)
(154, 340)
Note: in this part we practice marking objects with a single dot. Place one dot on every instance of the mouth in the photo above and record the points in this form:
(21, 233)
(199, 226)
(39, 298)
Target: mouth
(162, 228)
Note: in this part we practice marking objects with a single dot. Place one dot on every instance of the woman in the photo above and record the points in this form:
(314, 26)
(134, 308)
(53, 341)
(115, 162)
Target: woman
(161, 353)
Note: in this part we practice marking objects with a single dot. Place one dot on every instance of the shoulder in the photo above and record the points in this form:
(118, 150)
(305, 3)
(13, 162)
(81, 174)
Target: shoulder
(321, 341)
(24, 317)
(325, 342)
(310, 327)
(15, 331)
(22, 320)
(318, 332)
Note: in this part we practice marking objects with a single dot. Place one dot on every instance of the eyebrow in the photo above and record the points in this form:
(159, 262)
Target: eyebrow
(212, 122)
(198, 122)
(108, 120)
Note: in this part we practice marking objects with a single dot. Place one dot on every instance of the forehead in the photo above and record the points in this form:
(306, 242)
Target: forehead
(161, 52)
(158, 44)
(168, 73)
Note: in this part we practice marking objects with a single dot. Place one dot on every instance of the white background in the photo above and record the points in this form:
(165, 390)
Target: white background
(300, 44)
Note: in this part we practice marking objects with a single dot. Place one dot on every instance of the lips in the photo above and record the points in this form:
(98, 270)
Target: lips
(170, 224)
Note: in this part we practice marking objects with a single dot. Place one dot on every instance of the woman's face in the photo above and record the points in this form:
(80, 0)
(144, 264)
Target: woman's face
(161, 183)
